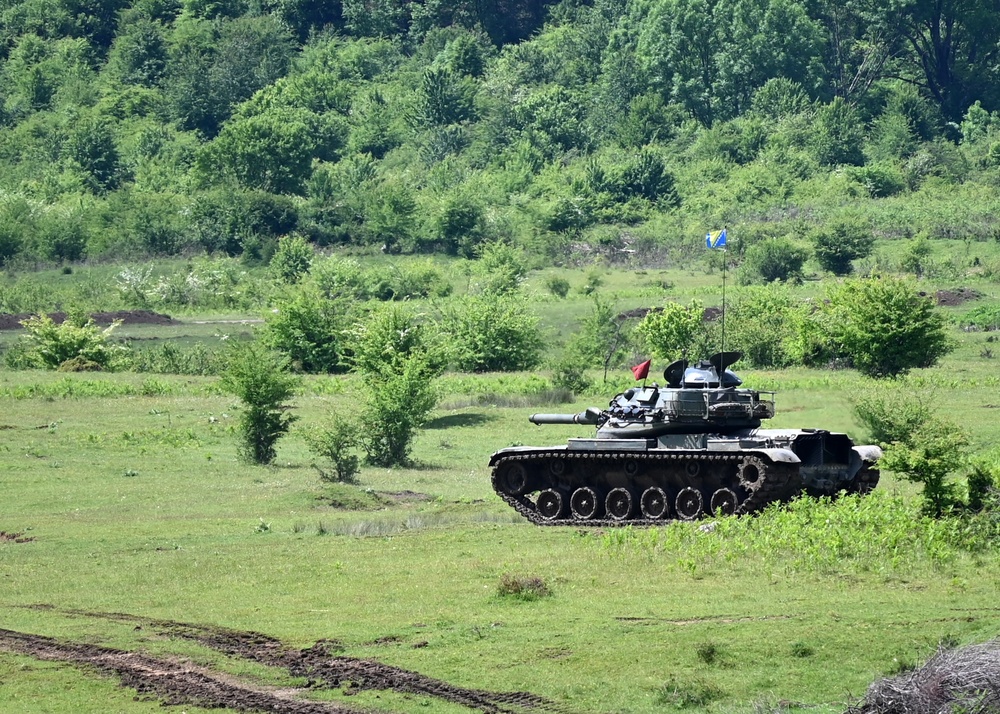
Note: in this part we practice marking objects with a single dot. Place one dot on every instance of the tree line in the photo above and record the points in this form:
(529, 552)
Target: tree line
(159, 127)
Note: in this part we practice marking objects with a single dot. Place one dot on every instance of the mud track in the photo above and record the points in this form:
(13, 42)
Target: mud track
(318, 664)
(171, 682)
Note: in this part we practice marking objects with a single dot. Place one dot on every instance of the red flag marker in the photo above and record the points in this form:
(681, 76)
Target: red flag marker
(641, 371)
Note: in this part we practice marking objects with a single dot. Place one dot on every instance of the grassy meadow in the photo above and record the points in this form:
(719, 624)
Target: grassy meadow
(126, 495)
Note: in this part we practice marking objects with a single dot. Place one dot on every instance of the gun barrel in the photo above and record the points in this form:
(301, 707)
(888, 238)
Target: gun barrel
(588, 416)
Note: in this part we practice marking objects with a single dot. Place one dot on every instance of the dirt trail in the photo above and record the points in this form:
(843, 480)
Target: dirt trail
(171, 682)
(319, 664)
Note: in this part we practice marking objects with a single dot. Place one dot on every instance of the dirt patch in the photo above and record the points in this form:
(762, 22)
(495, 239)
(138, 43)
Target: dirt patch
(950, 298)
(6, 537)
(9, 321)
(324, 668)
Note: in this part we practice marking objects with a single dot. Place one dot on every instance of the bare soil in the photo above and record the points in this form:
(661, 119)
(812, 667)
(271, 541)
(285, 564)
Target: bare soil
(321, 665)
(950, 298)
(9, 321)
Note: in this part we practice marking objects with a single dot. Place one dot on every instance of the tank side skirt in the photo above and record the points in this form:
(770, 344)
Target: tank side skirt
(782, 481)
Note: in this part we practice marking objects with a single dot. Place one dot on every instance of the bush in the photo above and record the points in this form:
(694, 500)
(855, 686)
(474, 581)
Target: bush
(761, 323)
(891, 413)
(676, 332)
(309, 329)
(493, 333)
(933, 451)
(500, 268)
(557, 286)
(335, 441)
(49, 345)
(772, 259)
(836, 245)
(522, 587)
(883, 325)
(398, 403)
(260, 379)
(292, 259)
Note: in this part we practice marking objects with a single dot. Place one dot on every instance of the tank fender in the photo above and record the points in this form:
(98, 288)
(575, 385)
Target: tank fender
(776, 456)
(868, 453)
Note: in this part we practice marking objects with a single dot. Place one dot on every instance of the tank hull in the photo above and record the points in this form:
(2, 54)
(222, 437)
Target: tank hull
(618, 482)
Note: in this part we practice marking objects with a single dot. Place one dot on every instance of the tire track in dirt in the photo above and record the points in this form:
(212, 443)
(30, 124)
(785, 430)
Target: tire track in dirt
(324, 669)
(172, 682)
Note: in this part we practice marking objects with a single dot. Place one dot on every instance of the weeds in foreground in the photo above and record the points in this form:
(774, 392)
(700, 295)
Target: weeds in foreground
(695, 692)
(523, 587)
(877, 533)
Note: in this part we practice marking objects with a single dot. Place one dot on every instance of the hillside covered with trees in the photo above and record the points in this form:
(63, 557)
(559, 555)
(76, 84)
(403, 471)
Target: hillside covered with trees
(158, 127)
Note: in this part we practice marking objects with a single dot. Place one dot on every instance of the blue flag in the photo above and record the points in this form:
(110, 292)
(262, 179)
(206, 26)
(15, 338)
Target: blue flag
(716, 239)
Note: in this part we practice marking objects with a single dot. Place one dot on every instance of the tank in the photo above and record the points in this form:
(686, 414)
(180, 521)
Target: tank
(691, 448)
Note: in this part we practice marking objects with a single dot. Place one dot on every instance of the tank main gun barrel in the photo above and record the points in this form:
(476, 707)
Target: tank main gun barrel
(588, 416)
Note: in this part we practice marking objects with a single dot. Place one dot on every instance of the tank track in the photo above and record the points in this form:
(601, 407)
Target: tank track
(782, 481)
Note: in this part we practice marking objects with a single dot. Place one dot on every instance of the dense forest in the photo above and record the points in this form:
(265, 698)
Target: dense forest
(160, 127)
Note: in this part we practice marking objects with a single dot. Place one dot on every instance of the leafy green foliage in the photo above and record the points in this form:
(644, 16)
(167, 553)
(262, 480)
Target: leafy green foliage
(399, 361)
(500, 269)
(676, 332)
(841, 242)
(493, 333)
(892, 412)
(883, 325)
(261, 381)
(49, 345)
(762, 322)
(772, 259)
(292, 259)
(309, 328)
(335, 441)
(933, 451)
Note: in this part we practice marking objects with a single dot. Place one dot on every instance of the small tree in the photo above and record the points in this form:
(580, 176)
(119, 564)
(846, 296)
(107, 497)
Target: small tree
(398, 403)
(399, 360)
(335, 441)
(928, 457)
(493, 333)
(884, 326)
(261, 380)
(837, 245)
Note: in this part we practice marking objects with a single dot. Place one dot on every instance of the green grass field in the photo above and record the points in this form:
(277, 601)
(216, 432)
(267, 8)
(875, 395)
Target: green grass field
(123, 494)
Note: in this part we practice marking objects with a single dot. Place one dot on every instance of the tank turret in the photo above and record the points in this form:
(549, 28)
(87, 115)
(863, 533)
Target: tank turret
(691, 447)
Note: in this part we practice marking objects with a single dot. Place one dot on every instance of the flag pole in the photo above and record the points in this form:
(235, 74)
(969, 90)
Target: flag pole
(724, 251)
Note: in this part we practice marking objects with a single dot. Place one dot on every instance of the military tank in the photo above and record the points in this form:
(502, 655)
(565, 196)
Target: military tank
(691, 448)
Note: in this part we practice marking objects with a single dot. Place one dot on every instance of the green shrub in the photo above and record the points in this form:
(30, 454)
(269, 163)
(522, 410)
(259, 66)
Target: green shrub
(772, 259)
(500, 268)
(891, 412)
(676, 331)
(836, 245)
(984, 317)
(493, 333)
(336, 441)
(398, 403)
(261, 381)
(883, 325)
(933, 451)
(309, 328)
(48, 344)
(557, 286)
(292, 259)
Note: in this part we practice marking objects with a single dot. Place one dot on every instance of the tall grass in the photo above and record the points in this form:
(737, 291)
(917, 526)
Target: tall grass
(879, 533)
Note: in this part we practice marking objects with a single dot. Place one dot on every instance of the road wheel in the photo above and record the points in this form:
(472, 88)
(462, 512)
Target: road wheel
(654, 503)
(551, 504)
(620, 504)
(585, 503)
(690, 504)
(724, 502)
